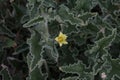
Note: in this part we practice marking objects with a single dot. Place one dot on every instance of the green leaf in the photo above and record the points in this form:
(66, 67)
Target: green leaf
(103, 43)
(93, 29)
(5, 31)
(35, 48)
(19, 11)
(97, 54)
(111, 68)
(67, 55)
(71, 3)
(5, 74)
(79, 38)
(108, 4)
(21, 49)
(36, 74)
(77, 68)
(100, 22)
(33, 22)
(9, 42)
(24, 19)
(87, 16)
(66, 15)
(50, 54)
(70, 78)
(106, 42)
(54, 28)
(82, 5)
(69, 28)
(32, 1)
(115, 69)
(49, 3)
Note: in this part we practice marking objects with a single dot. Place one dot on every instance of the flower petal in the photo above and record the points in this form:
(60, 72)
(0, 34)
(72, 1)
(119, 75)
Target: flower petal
(56, 38)
(61, 39)
(60, 44)
(65, 42)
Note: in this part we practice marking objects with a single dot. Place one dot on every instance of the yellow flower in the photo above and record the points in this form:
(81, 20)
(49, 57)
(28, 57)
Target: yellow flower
(61, 39)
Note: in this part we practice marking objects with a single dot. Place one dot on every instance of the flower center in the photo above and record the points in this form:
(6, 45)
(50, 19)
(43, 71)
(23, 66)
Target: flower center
(60, 39)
